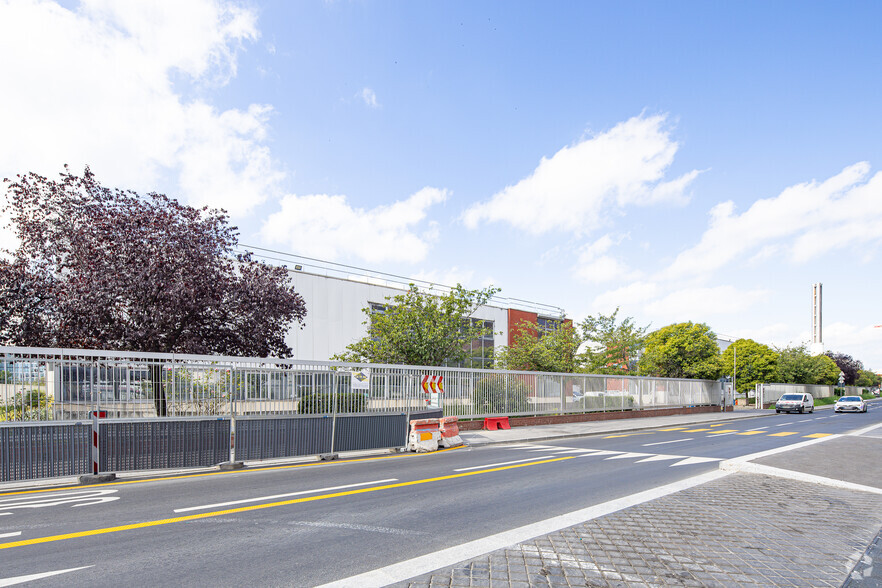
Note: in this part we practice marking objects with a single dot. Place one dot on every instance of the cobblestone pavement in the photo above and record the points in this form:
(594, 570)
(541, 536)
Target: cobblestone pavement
(741, 530)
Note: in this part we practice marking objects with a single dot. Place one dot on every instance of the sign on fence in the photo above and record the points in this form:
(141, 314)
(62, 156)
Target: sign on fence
(361, 379)
(432, 387)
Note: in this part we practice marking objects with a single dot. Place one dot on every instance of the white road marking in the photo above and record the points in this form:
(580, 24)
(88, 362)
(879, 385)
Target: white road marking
(576, 451)
(721, 434)
(597, 453)
(83, 497)
(804, 421)
(16, 534)
(445, 557)
(660, 457)
(782, 425)
(275, 496)
(865, 430)
(695, 460)
(666, 442)
(627, 456)
(501, 463)
(547, 449)
(758, 428)
(32, 577)
(755, 468)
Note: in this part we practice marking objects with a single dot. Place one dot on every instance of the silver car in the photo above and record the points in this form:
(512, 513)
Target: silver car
(850, 404)
(795, 403)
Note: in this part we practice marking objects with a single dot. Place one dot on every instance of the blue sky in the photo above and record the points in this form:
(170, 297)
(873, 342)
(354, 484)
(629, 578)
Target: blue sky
(701, 161)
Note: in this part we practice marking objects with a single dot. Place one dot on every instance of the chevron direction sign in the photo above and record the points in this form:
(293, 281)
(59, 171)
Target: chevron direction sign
(432, 387)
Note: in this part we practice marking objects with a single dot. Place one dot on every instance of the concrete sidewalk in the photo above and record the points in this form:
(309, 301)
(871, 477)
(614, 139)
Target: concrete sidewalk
(809, 516)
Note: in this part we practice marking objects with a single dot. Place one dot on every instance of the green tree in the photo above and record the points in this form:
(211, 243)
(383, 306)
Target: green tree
(825, 369)
(683, 350)
(613, 348)
(421, 328)
(797, 366)
(753, 362)
(866, 379)
(553, 350)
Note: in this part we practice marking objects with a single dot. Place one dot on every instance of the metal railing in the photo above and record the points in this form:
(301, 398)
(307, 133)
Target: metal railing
(39, 384)
(768, 393)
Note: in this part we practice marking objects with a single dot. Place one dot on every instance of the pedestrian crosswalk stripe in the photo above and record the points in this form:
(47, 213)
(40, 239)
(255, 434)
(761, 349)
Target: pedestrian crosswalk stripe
(783, 434)
(629, 455)
(694, 460)
(659, 458)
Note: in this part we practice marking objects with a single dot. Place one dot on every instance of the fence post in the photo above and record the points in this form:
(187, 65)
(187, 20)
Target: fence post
(333, 409)
(96, 456)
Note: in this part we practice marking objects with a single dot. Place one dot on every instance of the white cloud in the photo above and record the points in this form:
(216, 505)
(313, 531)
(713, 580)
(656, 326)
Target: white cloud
(369, 97)
(575, 188)
(636, 293)
(329, 227)
(688, 303)
(804, 221)
(95, 86)
(596, 265)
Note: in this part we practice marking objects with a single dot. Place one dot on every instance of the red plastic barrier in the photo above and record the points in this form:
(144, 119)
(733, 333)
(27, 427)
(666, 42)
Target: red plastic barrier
(449, 426)
(496, 423)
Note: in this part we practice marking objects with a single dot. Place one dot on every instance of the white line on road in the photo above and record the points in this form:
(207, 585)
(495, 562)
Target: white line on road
(782, 425)
(666, 442)
(758, 428)
(32, 577)
(721, 434)
(502, 463)
(275, 496)
(445, 557)
(16, 534)
(804, 421)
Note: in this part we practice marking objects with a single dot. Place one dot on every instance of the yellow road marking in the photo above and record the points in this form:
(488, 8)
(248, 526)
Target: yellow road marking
(674, 429)
(205, 515)
(751, 433)
(626, 435)
(817, 435)
(244, 471)
(697, 430)
(783, 434)
(717, 425)
(715, 431)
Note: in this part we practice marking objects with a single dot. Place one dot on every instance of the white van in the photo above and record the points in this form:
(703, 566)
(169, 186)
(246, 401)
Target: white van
(795, 402)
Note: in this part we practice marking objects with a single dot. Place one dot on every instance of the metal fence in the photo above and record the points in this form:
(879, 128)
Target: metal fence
(771, 392)
(63, 384)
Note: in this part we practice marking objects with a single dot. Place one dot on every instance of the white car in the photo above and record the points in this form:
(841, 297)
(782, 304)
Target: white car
(795, 403)
(850, 404)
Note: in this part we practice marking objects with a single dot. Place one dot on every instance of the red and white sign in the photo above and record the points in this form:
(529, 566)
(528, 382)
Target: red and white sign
(433, 384)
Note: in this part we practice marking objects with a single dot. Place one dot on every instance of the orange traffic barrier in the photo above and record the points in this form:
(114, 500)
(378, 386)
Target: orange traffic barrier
(425, 435)
(449, 427)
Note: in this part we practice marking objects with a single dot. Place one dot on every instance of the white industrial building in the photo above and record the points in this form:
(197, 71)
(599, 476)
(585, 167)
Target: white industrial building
(335, 295)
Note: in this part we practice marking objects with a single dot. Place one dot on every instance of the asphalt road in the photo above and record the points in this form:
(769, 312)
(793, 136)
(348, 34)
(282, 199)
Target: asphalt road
(308, 524)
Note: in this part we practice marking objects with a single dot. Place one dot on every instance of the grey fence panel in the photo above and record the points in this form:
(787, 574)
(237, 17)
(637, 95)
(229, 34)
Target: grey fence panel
(163, 444)
(356, 432)
(40, 450)
(271, 438)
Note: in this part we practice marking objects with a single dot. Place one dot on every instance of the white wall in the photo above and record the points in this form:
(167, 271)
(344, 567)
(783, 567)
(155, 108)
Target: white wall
(334, 318)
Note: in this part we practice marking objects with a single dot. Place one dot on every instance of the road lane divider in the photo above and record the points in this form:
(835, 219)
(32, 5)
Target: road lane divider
(253, 507)
(667, 442)
(286, 495)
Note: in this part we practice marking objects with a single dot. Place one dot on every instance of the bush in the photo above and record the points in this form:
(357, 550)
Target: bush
(32, 405)
(498, 394)
(323, 402)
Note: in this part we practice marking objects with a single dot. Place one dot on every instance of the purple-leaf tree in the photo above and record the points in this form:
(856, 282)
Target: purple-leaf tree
(111, 269)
